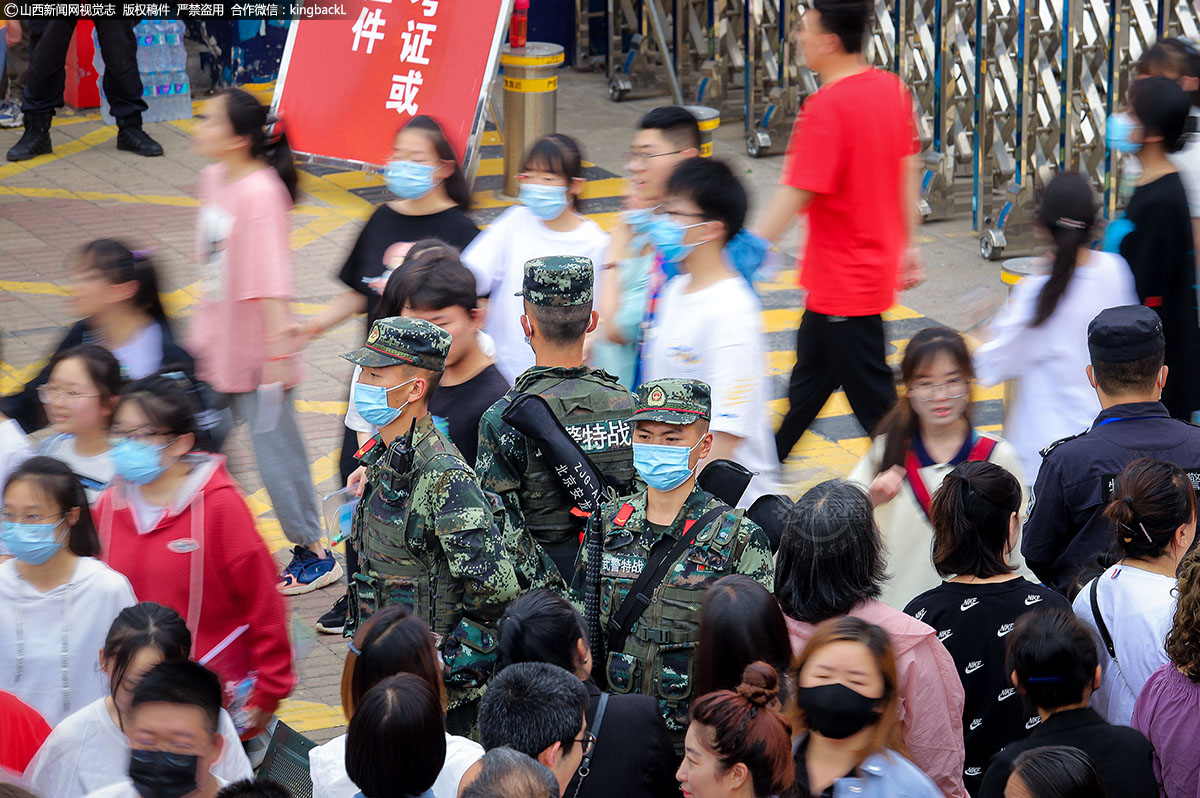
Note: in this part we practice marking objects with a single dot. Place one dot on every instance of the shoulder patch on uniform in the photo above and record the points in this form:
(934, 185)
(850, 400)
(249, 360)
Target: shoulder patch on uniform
(1061, 441)
(623, 515)
(366, 447)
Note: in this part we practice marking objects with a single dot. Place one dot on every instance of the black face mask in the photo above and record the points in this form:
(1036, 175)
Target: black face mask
(158, 774)
(835, 711)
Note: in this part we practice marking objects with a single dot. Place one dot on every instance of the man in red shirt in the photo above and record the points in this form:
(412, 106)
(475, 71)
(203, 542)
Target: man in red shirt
(851, 167)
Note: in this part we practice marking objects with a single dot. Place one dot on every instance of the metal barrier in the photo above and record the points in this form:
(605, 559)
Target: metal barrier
(1005, 91)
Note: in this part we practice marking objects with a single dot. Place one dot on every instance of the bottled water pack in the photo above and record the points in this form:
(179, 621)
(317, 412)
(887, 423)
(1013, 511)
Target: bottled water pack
(162, 63)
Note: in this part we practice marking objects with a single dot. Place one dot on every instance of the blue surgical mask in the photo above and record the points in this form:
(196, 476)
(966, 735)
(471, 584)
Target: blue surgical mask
(544, 202)
(409, 179)
(640, 219)
(137, 461)
(371, 402)
(663, 467)
(1119, 132)
(667, 235)
(32, 544)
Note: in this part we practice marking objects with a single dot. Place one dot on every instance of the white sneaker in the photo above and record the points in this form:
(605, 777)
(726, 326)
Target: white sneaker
(10, 114)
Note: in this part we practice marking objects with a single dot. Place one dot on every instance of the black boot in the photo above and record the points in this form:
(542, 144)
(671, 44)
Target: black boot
(132, 138)
(36, 139)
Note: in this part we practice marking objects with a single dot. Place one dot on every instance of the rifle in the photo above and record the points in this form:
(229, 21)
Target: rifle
(531, 416)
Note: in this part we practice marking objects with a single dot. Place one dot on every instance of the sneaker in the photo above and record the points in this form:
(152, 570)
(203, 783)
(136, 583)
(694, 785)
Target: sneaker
(10, 114)
(307, 572)
(334, 621)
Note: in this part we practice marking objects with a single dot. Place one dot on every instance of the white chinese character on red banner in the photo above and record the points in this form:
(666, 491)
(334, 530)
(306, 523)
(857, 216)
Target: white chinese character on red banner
(368, 27)
(430, 6)
(415, 40)
(403, 95)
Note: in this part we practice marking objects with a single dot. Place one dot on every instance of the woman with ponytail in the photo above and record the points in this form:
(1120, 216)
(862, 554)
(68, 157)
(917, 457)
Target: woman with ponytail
(848, 700)
(242, 332)
(1130, 605)
(114, 292)
(975, 528)
(633, 755)
(925, 434)
(739, 745)
(1040, 337)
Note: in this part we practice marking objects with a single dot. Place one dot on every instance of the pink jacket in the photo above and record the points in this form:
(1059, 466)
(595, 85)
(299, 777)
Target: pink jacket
(931, 695)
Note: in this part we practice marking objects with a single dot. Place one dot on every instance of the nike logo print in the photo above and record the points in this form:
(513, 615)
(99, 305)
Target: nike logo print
(944, 635)
(1035, 720)
(974, 666)
(974, 771)
(921, 614)
(1003, 630)
(1005, 694)
(1031, 600)
(975, 724)
(968, 604)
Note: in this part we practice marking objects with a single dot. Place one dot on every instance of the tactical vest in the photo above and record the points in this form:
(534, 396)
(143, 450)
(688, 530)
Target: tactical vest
(659, 655)
(595, 411)
(399, 562)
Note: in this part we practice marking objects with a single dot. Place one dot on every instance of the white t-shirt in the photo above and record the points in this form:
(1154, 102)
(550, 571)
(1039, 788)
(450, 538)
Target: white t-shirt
(1054, 398)
(327, 766)
(88, 751)
(715, 335)
(95, 471)
(35, 626)
(1187, 161)
(1137, 607)
(125, 789)
(142, 355)
(497, 259)
(145, 514)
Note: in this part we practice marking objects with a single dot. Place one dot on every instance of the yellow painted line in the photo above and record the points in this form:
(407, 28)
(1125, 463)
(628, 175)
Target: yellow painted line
(308, 716)
(491, 138)
(21, 287)
(900, 312)
(349, 180)
(781, 320)
(489, 167)
(340, 200)
(328, 408)
(604, 188)
(84, 142)
(13, 379)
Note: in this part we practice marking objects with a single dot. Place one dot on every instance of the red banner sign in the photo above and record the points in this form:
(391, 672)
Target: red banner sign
(345, 86)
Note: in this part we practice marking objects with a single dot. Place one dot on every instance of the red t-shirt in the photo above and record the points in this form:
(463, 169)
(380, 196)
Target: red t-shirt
(24, 733)
(848, 146)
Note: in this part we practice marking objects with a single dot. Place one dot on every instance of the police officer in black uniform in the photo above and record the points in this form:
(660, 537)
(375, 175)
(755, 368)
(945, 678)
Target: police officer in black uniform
(1066, 530)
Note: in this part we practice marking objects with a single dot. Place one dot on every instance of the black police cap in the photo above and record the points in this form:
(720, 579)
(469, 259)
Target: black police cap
(1129, 332)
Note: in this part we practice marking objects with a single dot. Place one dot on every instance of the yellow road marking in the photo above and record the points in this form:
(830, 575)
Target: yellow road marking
(84, 142)
(307, 716)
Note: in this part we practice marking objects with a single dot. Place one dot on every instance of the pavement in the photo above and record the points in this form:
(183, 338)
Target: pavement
(52, 205)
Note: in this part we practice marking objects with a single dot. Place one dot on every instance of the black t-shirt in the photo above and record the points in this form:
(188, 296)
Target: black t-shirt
(387, 227)
(1158, 248)
(972, 622)
(461, 406)
(800, 788)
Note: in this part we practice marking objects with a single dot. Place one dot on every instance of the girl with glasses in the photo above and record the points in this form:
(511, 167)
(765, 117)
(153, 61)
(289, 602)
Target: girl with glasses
(925, 435)
(175, 523)
(78, 400)
(56, 600)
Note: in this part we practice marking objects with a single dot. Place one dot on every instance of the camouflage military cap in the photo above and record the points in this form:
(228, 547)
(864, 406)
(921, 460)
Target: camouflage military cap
(558, 281)
(672, 401)
(401, 341)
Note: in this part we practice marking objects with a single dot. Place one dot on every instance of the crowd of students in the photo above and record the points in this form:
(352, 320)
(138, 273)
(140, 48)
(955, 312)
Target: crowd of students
(925, 635)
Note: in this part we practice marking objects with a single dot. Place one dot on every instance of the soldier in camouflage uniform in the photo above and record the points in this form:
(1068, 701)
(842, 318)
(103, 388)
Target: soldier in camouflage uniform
(592, 406)
(670, 438)
(424, 530)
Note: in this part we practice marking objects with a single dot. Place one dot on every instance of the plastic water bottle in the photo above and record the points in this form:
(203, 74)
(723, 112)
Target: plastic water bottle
(182, 95)
(176, 49)
(145, 41)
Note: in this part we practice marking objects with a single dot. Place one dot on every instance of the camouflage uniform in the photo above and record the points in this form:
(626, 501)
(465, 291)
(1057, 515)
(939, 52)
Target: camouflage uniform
(592, 407)
(659, 653)
(424, 529)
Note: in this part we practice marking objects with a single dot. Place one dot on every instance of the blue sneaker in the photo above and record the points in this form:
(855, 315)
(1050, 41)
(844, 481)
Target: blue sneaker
(307, 572)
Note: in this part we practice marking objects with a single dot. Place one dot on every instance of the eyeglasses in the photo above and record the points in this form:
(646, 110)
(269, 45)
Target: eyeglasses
(10, 518)
(116, 435)
(953, 388)
(588, 742)
(661, 211)
(51, 395)
(642, 157)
